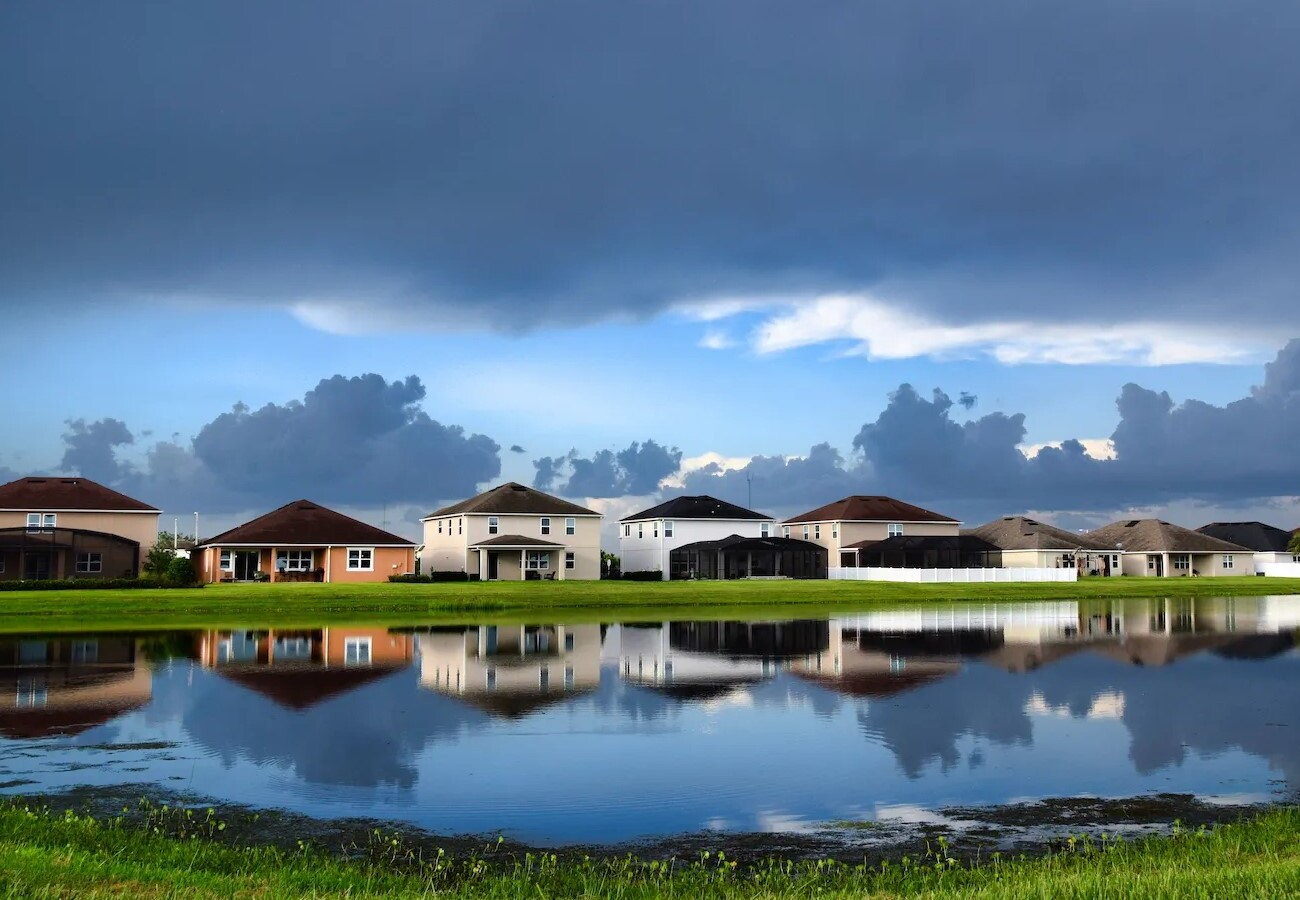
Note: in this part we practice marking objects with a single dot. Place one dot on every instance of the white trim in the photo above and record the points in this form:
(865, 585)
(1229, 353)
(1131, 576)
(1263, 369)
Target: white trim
(360, 550)
(60, 509)
(877, 521)
(358, 642)
(588, 515)
(282, 546)
(701, 519)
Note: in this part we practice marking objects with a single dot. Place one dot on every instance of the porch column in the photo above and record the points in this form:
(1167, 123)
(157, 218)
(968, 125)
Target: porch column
(523, 573)
(560, 567)
(749, 564)
(482, 564)
(778, 556)
(275, 554)
(1166, 567)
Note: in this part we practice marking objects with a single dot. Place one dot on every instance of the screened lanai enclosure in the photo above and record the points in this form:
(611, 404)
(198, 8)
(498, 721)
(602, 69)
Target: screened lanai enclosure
(916, 552)
(29, 554)
(741, 557)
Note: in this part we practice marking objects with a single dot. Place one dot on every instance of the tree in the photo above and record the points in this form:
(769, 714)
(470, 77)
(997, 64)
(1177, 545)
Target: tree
(163, 551)
(178, 541)
(1294, 546)
(181, 571)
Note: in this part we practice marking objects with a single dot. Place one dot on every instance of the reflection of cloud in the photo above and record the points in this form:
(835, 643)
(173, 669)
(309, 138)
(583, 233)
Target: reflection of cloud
(1106, 705)
(782, 823)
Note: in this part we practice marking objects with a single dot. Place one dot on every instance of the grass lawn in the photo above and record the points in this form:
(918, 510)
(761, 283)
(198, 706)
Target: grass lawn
(286, 605)
(77, 856)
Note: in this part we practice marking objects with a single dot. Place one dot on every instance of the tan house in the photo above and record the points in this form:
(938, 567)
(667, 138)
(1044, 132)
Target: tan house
(846, 526)
(52, 527)
(512, 533)
(1028, 543)
(1153, 547)
(304, 541)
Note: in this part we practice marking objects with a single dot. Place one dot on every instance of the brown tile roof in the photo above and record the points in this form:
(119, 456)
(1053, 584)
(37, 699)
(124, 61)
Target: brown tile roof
(1021, 533)
(513, 498)
(53, 493)
(301, 687)
(859, 508)
(1155, 536)
(515, 540)
(304, 522)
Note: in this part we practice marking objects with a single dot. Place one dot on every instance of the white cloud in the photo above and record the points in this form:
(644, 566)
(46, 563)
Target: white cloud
(1097, 448)
(692, 463)
(883, 329)
(715, 339)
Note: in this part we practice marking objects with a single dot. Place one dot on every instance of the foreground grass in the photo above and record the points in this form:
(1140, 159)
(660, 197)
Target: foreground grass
(65, 856)
(286, 605)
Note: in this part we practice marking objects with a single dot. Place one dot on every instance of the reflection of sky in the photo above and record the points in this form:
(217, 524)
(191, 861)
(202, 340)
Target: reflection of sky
(624, 761)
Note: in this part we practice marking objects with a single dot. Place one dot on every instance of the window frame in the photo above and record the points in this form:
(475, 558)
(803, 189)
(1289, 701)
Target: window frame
(494, 524)
(42, 521)
(765, 529)
(92, 564)
(670, 527)
(544, 523)
(369, 553)
(226, 561)
(351, 643)
(785, 531)
(537, 560)
(570, 560)
(817, 532)
(805, 532)
(1229, 561)
(894, 529)
(640, 531)
(1180, 562)
(293, 563)
(570, 525)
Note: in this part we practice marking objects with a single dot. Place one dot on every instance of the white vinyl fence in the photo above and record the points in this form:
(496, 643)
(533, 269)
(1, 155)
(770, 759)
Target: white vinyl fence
(1279, 569)
(956, 576)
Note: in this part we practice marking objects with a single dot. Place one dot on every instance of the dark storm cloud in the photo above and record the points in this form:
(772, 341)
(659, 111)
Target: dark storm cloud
(1164, 452)
(350, 441)
(515, 448)
(638, 469)
(595, 159)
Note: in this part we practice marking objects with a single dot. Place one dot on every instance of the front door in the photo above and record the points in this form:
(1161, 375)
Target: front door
(36, 565)
(492, 566)
(246, 564)
(1156, 565)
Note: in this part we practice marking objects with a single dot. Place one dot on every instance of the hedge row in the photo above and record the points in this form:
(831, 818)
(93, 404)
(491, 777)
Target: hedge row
(92, 584)
(430, 577)
(652, 575)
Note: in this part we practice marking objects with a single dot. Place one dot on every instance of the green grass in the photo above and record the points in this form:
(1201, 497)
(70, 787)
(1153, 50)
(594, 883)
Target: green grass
(42, 855)
(286, 605)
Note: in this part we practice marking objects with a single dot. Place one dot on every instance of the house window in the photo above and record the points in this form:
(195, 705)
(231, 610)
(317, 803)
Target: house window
(293, 560)
(1182, 561)
(440, 526)
(765, 530)
(805, 532)
(227, 561)
(38, 521)
(537, 559)
(627, 531)
(568, 678)
(460, 526)
(361, 559)
(356, 651)
(494, 525)
(894, 530)
(640, 530)
(570, 525)
(669, 525)
(569, 561)
(785, 530)
(1228, 560)
(546, 525)
(568, 643)
(1151, 562)
(89, 563)
(817, 532)
(85, 652)
(1067, 561)
(654, 529)
(835, 530)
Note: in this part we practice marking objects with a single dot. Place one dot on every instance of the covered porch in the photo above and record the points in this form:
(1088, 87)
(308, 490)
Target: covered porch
(42, 554)
(740, 557)
(513, 557)
(917, 552)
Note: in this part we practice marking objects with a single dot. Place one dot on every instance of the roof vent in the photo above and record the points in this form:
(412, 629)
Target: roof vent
(518, 487)
(1131, 522)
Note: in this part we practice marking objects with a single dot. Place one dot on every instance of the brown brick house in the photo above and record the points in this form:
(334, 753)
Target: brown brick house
(304, 541)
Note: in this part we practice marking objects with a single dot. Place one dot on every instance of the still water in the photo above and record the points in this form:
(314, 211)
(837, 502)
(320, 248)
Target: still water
(606, 732)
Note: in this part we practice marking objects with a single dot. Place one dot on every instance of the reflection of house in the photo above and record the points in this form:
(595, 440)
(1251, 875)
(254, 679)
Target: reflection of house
(843, 526)
(1027, 543)
(649, 537)
(510, 670)
(869, 664)
(304, 541)
(742, 557)
(1268, 543)
(71, 528)
(68, 685)
(513, 533)
(300, 668)
(1153, 547)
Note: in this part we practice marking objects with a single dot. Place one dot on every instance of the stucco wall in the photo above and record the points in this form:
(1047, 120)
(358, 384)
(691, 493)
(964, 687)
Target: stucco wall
(835, 535)
(141, 527)
(450, 552)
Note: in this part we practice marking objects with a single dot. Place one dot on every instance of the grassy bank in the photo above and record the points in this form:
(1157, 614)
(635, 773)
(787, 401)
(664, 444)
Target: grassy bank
(63, 856)
(408, 604)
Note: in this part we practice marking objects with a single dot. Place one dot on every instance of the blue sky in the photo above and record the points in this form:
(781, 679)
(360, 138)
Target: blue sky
(661, 230)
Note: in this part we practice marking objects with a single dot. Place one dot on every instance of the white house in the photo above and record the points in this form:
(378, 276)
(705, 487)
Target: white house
(647, 538)
(1268, 543)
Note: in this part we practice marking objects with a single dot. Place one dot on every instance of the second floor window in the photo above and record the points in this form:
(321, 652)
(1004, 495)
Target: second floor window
(640, 530)
(627, 531)
(570, 525)
(546, 525)
(494, 525)
(765, 530)
(817, 532)
(668, 528)
(37, 521)
(895, 530)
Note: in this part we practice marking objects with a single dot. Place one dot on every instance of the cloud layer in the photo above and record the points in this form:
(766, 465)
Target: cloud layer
(636, 470)
(981, 166)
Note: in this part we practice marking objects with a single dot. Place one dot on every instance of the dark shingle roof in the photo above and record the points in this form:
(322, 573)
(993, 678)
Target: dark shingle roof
(701, 507)
(304, 522)
(740, 544)
(903, 542)
(56, 493)
(1021, 533)
(1155, 536)
(1252, 535)
(515, 540)
(859, 508)
(513, 498)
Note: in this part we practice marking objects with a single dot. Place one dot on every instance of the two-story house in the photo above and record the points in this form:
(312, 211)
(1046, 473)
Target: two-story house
(647, 538)
(56, 527)
(851, 524)
(511, 533)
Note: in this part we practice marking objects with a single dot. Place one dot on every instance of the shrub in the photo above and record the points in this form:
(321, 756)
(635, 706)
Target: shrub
(180, 571)
(429, 577)
(652, 575)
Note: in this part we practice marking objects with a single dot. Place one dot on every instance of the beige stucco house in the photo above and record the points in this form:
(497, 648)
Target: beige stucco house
(57, 527)
(1028, 543)
(1153, 547)
(513, 532)
(847, 525)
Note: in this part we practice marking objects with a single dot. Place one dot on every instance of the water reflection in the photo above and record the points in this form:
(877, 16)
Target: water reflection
(631, 729)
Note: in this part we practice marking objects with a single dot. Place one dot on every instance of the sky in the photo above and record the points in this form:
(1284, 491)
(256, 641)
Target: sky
(992, 258)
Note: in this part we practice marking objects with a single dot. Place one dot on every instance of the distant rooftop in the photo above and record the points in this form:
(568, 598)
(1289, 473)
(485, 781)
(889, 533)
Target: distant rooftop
(864, 508)
(697, 507)
(513, 498)
(56, 493)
